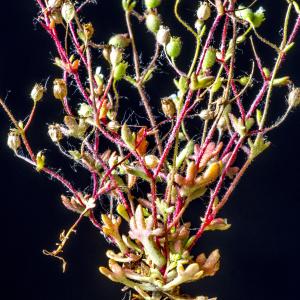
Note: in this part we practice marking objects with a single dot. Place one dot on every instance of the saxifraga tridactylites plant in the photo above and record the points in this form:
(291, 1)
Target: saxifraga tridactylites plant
(154, 256)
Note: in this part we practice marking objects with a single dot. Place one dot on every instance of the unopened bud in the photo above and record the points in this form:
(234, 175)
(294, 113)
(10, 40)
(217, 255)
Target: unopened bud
(115, 56)
(128, 137)
(113, 160)
(56, 17)
(209, 58)
(283, 81)
(168, 107)
(60, 89)
(153, 22)
(113, 126)
(199, 25)
(204, 11)
(174, 47)
(244, 80)
(206, 115)
(294, 97)
(219, 7)
(37, 92)
(120, 70)
(55, 133)
(152, 3)
(54, 3)
(163, 35)
(245, 13)
(14, 140)
(85, 110)
(40, 161)
(106, 53)
(199, 82)
(151, 161)
(88, 31)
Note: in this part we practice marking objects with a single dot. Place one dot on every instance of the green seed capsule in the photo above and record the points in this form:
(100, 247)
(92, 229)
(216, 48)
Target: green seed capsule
(174, 47)
(152, 3)
(245, 13)
(283, 81)
(68, 11)
(209, 58)
(153, 22)
(120, 41)
(120, 70)
(244, 80)
(204, 11)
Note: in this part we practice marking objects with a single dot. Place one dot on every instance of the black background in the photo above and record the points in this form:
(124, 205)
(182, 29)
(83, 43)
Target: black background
(259, 253)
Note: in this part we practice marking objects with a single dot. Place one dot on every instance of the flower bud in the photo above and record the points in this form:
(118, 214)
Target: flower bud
(152, 3)
(113, 160)
(120, 41)
(267, 72)
(115, 56)
(14, 140)
(209, 58)
(294, 97)
(106, 53)
(151, 161)
(198, 25)
(199, 82)
(244, 80)
(37, 92)
(60, 89)
(204, 11)
(219, 7)
(40, 161)
(68, 11)
(282, 81)
(54, 3)
(163, 35)
(56, 17)
(153, 22)
(128, 5)
(88, 31)
(55, 133)
(174, 47)
(113, 126)
(168, 107)
(206, 115)
(128, 137)
(85, 110)
(120, 70)
(222, 123)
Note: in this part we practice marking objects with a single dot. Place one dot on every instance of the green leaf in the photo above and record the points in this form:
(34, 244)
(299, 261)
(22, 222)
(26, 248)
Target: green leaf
(185, 153)
(259, 146)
